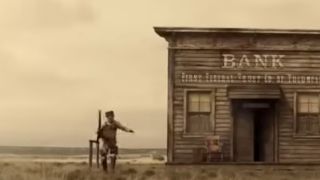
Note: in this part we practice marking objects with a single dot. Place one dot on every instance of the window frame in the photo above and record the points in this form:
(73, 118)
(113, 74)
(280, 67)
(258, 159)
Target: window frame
(295, 114)
(212, 93)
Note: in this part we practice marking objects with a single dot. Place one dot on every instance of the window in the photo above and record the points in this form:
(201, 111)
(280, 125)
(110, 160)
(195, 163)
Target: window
(307, 117)
(198, 113)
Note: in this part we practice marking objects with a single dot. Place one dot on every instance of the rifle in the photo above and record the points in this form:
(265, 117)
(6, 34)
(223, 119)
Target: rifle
(99, 125)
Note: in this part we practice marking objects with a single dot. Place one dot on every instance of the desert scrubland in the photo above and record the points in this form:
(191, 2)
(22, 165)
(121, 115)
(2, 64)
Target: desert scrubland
(127, 171)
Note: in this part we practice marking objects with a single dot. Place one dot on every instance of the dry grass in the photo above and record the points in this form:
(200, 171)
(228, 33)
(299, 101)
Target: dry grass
(80, 171)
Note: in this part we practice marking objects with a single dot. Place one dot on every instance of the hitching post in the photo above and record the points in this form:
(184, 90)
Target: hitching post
(91, 142)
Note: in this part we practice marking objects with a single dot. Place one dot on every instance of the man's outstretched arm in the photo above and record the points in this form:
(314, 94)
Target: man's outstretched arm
(123, 128)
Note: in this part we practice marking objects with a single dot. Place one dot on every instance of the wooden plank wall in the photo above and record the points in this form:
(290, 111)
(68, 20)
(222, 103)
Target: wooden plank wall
(184, 144)
(291, 149)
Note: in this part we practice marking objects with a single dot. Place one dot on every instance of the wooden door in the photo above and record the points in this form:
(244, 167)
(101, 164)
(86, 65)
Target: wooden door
(267, 132)
(244, 135)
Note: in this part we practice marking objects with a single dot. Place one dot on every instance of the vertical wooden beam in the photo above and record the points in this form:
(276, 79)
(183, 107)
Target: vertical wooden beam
(295, 128)
(98, 154)
(232, 131)
(213, 111)
(276, 130)
(170, 130)
(90, 153)
(185, 110)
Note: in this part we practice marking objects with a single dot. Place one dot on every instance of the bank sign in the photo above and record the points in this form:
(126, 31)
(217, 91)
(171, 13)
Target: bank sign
(253, 68)
(230, 61)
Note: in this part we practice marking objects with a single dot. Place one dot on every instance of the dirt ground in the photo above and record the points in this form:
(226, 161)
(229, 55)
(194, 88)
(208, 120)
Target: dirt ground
(81, 171)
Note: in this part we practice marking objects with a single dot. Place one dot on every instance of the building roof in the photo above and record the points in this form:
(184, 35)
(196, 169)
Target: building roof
(166, 31)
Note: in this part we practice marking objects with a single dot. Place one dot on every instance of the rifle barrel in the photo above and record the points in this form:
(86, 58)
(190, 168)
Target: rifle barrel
(99, 124)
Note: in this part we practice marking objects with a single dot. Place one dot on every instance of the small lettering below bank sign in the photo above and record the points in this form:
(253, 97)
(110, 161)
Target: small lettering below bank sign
(236, 69)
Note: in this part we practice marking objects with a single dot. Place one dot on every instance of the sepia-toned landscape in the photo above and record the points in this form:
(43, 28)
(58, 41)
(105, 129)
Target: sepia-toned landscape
(161, 90)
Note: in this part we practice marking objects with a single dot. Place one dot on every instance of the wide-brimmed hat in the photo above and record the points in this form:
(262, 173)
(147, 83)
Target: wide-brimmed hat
(109, 113)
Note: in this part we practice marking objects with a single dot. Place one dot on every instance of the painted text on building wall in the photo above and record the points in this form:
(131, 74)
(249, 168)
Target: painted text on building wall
(211, 77)
(231, 61)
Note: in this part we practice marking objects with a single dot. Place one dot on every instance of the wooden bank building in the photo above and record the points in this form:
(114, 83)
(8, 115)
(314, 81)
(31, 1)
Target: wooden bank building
(255, 92)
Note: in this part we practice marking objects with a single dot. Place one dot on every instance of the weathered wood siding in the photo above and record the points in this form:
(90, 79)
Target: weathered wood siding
(295, 149)
(202, 52)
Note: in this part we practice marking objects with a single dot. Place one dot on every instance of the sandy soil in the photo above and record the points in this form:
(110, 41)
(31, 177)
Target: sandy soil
(81, 171)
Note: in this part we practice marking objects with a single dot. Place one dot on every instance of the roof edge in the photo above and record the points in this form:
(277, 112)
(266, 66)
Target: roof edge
(166, 31)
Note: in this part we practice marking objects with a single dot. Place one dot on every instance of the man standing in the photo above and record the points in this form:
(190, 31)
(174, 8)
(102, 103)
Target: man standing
(108, 134)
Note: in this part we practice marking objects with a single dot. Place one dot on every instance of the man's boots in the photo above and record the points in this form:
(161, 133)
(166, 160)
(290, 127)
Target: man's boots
(113, 160)
(104, 164)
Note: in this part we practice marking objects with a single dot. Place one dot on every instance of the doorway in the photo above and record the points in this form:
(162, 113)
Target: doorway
(254, 130)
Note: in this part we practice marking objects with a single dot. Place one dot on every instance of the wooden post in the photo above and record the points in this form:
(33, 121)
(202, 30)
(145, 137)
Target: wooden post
(91, 142)
(98, 155)
(170, 123)
(90, 153)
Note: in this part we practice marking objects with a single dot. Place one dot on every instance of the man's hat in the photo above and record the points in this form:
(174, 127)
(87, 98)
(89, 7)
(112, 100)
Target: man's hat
(109, 113)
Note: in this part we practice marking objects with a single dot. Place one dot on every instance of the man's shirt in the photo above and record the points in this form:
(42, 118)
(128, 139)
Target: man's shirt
(109, 130)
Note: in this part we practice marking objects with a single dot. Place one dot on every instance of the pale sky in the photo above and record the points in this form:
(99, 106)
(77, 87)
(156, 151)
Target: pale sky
(62, 60)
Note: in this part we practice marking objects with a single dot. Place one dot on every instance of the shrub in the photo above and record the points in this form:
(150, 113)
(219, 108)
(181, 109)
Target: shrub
(180, 175)
(149, 173)
(75, 175)
(203, 170)
(212, 174)
(120, 178)
(130, 171)
(158, 157)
